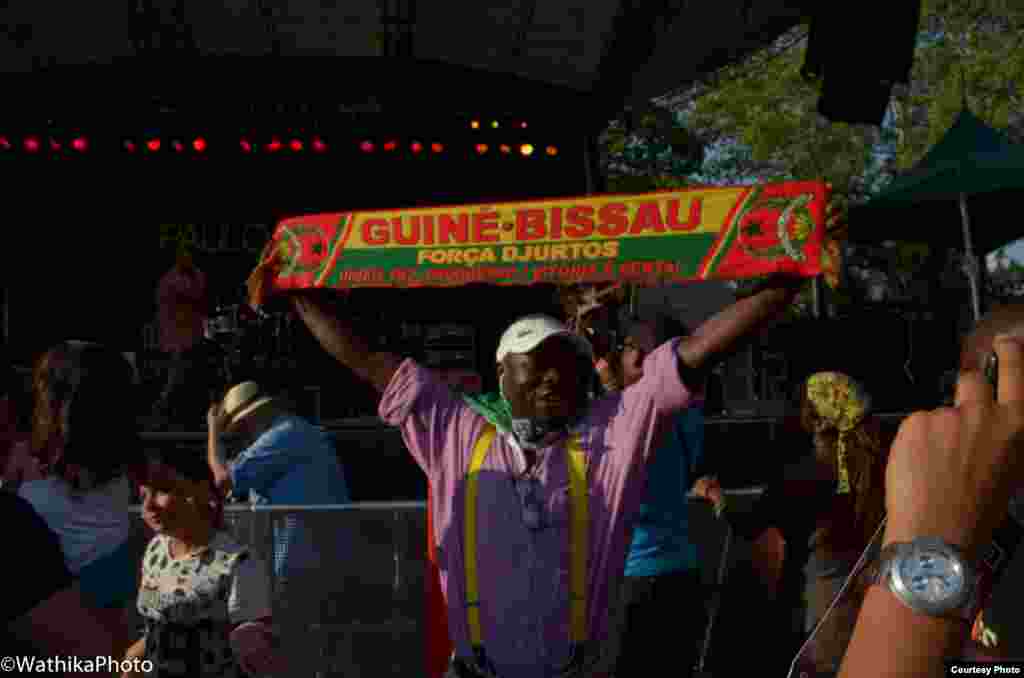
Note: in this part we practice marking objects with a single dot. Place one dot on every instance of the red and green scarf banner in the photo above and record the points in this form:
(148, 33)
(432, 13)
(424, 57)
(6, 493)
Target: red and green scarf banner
(645, 239)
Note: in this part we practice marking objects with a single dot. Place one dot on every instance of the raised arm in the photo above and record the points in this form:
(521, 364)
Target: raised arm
(950, 475)
(339, 338)
(724, 333)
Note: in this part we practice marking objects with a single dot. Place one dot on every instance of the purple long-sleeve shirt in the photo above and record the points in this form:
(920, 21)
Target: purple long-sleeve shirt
(524, 575)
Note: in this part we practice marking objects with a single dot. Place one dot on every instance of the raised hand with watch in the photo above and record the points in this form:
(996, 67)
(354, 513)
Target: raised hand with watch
(936, 578)
(949, 479)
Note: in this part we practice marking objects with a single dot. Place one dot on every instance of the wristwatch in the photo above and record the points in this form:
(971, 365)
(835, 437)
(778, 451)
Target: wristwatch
(930, 576)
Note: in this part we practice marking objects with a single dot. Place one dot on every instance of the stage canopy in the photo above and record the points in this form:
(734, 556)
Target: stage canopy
(601, 53)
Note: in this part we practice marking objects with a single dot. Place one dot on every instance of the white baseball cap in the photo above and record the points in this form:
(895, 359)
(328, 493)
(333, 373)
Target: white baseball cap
(527, 333)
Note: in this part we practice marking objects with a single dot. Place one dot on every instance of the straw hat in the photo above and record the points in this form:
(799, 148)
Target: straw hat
(243, 400)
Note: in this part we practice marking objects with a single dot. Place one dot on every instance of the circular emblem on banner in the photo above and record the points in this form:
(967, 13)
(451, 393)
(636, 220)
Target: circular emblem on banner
(305, 249)
(773, 228)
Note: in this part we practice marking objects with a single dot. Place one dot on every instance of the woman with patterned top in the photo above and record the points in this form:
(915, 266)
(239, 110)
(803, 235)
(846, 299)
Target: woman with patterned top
(204, 597)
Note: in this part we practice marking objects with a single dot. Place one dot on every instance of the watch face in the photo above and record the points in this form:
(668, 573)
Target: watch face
(931, 576)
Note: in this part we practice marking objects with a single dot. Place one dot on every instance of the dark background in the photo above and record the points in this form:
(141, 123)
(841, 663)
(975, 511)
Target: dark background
(83, 233)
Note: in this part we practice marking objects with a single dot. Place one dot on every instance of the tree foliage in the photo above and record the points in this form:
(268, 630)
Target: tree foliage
(649, 149)
(758, 119)
(968, 50)
(769, 108)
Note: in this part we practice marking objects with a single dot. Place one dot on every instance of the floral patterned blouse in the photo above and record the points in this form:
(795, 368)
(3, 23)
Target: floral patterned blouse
(191, 604)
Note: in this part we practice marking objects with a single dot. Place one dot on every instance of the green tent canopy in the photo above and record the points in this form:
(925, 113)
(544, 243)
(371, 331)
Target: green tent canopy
(961, 195)
(923, 204)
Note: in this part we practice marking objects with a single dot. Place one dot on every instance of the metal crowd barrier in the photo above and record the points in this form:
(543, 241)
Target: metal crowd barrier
(362, 607)
(365, 617)
(375, 423)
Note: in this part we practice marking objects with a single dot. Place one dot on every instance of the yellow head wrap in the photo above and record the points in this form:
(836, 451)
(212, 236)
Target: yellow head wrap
(840, 403)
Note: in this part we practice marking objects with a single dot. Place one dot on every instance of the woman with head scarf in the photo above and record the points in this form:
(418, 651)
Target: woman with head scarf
(848, 442)
(831, 505)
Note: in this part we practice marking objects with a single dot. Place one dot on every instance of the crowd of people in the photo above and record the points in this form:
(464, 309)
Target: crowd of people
(559, 505)
(204, 599)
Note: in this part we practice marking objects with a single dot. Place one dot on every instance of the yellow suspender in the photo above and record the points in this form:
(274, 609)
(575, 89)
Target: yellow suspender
(579, 545)
(578, 536)
(483, 444)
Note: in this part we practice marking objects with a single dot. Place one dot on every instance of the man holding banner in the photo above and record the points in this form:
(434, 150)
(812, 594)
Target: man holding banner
(534, 487)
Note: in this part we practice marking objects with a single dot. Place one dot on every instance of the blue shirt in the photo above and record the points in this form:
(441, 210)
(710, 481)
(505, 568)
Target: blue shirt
(293, 462)
(661, 536)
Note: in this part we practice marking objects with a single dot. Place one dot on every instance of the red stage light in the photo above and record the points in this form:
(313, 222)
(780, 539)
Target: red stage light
(481, 148)
(31, 144)
(318, 145)
(390, 145)
(129, 146)
(296, 145)
(199, 144)
(153, 144)
(436, 148)
(5, 143)
(178, 146)
(246, 146)
(274, 145)
(366, 147)
(416, 147)
(54, 145)
(506, 149)
(80, 144)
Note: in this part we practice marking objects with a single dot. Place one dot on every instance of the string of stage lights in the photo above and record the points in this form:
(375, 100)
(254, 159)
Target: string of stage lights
(152, 144)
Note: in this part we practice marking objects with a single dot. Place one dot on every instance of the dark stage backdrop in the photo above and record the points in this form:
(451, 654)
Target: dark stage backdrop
(87, 239)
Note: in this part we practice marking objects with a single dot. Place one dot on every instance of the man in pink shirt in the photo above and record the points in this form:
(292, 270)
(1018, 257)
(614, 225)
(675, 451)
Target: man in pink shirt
(525, 509)
(182, 302)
